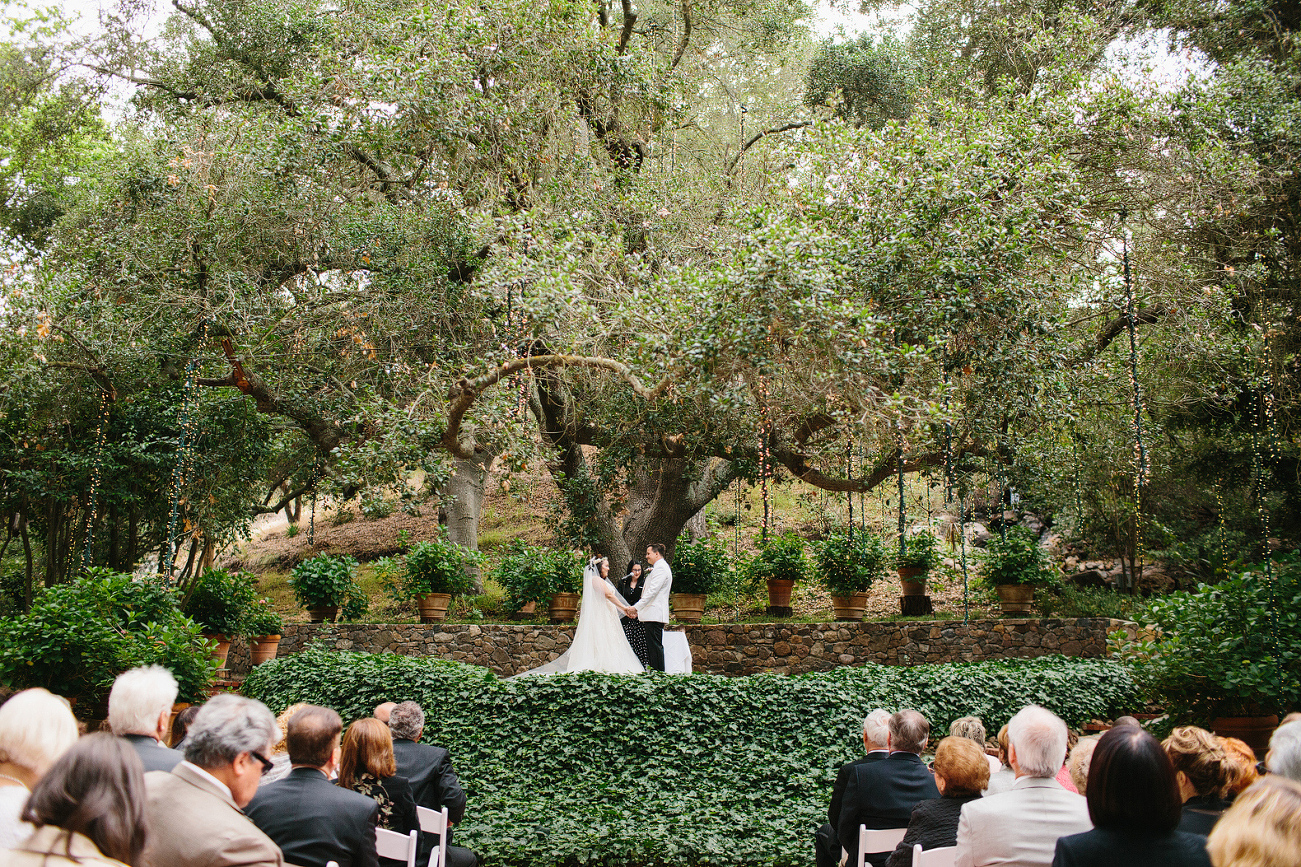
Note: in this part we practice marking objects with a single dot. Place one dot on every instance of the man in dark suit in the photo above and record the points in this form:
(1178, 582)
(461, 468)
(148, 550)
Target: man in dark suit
(826, 846)
(429, 771)
(140, 711)
(312, 820)
(882, 794)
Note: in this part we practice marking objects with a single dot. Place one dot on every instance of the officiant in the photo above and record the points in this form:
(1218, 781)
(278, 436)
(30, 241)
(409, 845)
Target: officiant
(630, 587)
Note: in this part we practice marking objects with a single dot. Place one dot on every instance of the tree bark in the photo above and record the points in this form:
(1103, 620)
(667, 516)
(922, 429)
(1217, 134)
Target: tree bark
(462, 497)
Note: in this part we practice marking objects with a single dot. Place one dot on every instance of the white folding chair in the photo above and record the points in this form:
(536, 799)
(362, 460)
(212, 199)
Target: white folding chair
(877, 840)
(435, 822)
(399, 847)
(945, 856)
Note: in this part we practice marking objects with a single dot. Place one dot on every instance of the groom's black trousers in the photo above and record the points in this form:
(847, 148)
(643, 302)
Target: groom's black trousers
(654, 643)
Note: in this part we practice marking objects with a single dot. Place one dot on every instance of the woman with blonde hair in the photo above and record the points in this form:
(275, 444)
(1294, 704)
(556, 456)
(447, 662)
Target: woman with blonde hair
(1262, 828)
(36, 727)
(367, 765)
(1203, 772)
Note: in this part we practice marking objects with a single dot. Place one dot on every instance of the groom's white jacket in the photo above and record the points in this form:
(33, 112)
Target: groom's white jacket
(654, 602)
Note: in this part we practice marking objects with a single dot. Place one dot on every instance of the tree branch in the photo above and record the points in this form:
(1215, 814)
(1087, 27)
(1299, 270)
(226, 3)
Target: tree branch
(629, 19)
(797, 124)
(1116, 327)
(686, 35)
(798, 464)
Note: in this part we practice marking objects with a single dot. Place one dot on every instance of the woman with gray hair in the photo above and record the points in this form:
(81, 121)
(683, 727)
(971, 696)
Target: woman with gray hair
(36, 727)
(973, 729)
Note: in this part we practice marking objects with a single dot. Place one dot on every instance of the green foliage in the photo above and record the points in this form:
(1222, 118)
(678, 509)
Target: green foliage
(700, 567)
(849, 564)
(263, 619)
(1065, 600)
(221, 602)
(1016, 558)
(324, 580)
(1230, 649)
(77, 637)
(781, 559)
(530, 573)
(721, 771)
(866, 82)
(918, 551)
(436, 565)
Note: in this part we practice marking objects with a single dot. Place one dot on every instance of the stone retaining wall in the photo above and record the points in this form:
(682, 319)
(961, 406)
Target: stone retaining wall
(732, 649)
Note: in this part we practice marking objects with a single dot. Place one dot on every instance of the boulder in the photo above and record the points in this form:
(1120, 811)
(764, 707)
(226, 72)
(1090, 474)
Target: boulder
(1033, 523)
(1089, 578)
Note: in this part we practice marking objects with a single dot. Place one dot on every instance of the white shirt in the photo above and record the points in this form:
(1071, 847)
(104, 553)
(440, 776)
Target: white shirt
(13, 831)
(654, 603)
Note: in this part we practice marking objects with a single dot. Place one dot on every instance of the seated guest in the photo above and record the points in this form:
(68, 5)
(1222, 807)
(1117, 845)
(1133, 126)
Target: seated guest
(181, 725)
(1002, 779)
(973, 728)
(1021, 826)
(1262, 828)
(882, 794)
(383, 709)
(429, 771)
(88, 809)
(367, 767)
(1078, 761)
(1284, 756)
(36, 727)
(279, 756)
(140, 711)
(1126, 721)
(1135, 808)
(1242, 766)
(225, 757)
(312, 820)
(960, 773)
(1203, 771)
(826, 846)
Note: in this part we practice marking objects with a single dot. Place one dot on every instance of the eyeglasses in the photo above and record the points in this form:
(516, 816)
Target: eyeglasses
(267, 764)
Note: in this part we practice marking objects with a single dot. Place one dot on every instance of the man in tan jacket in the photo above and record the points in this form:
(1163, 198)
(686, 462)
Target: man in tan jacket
(194, 811)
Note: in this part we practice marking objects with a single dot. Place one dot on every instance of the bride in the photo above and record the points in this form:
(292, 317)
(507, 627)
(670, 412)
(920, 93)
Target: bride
(599, 641)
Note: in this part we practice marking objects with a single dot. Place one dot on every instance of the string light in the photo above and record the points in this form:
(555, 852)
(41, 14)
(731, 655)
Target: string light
(96, 477)
(765, 456)
(183, 471)
(1141, 466)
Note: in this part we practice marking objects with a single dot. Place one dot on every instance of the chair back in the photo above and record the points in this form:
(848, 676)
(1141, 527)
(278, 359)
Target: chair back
(877, 840)
(946, 856)
(399, 847)
(435, 822)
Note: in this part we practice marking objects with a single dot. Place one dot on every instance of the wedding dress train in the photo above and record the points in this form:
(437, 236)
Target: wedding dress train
(599, 640)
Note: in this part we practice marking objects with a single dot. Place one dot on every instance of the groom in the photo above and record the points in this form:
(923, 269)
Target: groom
(653, 607)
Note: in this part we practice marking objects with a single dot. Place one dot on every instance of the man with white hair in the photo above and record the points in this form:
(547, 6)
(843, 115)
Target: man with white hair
(1021, 826)
(140, 710)
(433, 780)
(826, 848)
(1284, 757)
(225, 757)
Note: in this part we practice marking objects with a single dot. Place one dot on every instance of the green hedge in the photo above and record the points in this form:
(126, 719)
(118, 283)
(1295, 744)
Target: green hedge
(648, 770)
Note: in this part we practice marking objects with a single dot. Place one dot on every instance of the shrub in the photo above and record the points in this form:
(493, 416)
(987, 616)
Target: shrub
(1016, 558)
(438, 565)
(714, 770)
(220, 602)
(780, 559)
(918, 551)
(263, 619)
(529, 573)
(849, 564)
(78, 637)
(699, 567)
(324, 580)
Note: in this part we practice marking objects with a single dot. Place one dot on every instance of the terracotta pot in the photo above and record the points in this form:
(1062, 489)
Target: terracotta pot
(223, 648)
(323, 613)
(263, 648)
(528, 609)
(779, 592)
(688, 607)
(908, 580)
(849, 608)
(564, 606)
(1254, 731)
(1015, 598)
(176, 710)
(433, 607)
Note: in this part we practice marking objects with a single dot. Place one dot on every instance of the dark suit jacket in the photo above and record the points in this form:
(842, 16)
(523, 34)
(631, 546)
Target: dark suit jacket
(153, 755)
(1103, 847)
(882, 795)
(842, 780)
(934, 824)
(313, 821)
(1201, 813)
(429, 771)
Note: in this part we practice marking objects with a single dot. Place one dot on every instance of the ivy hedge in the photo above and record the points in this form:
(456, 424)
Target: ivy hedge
(582, 769)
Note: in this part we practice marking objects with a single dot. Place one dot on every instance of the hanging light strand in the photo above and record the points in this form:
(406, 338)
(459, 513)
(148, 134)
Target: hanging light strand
(96, 476)
(1141, 465)
(182, 471)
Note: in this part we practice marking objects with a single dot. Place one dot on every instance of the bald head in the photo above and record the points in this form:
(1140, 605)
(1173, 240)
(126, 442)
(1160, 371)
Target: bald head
(382, 710)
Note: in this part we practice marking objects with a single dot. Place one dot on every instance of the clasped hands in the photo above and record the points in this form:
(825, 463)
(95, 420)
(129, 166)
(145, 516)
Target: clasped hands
(630, 612)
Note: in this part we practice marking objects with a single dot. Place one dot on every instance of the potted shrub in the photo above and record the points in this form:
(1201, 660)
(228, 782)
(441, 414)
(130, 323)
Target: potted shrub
(564, 577)
(220, 603)
(1014, 566)
(532, 575)
(1226, 656)
(263, 628)
(325, 586)
(698, 568)
(436, 570)
(847, 565)
(780, 563)
(918, 555)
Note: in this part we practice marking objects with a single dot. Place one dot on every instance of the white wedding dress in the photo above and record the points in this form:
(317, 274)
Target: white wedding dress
(599, 641)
